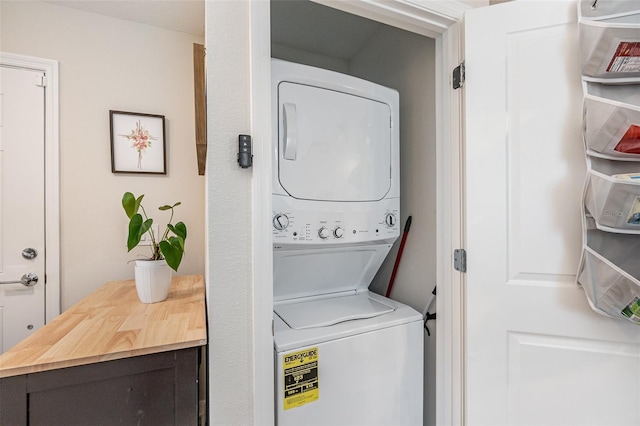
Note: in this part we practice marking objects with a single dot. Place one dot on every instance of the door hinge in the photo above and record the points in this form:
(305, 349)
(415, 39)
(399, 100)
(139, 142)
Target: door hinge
(460, 260)
(458, 76)
(41, 81)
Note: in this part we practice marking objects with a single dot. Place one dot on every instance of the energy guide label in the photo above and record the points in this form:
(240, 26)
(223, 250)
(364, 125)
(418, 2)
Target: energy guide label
(300, 372)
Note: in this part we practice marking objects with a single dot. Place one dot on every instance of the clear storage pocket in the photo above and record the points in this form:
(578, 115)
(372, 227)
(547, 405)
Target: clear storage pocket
(612, 128)
(614, 202)
(609, 289)
(610, 274)
(610, 49)
(604, 9)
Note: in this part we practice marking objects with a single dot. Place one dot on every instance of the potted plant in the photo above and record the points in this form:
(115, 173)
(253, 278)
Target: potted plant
(153, 274)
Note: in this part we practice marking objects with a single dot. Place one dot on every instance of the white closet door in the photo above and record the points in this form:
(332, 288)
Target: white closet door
(536, 354)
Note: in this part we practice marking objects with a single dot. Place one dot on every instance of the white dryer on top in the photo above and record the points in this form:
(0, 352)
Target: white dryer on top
(338, 136)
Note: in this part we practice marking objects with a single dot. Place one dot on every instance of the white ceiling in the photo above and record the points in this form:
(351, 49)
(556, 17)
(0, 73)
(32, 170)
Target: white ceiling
(179, 15)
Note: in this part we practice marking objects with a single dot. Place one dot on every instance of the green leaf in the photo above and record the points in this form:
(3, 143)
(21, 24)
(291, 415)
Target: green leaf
(168, 207)
(145, 227)
(172, 252)
(134, 226)
(131, 204)
(128, 203)
(137, 228)
(180, 230)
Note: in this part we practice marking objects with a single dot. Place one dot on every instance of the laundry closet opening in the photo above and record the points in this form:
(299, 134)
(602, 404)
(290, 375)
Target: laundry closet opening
(316, 35)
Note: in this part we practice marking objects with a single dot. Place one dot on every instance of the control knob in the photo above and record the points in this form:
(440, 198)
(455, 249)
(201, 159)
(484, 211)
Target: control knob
(280, 221)
(323, 233)
(338, 232)
(390, 220)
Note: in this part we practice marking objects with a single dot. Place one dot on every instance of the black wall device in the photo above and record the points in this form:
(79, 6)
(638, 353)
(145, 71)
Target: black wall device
(245, 158)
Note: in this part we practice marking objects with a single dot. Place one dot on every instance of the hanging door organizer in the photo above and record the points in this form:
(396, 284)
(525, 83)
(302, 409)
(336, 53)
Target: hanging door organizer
(609, 43)
(609, 270)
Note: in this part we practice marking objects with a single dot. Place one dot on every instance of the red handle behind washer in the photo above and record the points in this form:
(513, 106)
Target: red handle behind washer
(407, 226)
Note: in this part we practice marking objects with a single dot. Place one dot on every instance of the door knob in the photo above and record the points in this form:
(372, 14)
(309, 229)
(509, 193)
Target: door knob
(27, 280)
(29, 253)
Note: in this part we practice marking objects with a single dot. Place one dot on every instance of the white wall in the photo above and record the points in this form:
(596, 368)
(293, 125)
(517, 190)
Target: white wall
(229, 227)
(291, 54)
(107, 63)
(406, 62)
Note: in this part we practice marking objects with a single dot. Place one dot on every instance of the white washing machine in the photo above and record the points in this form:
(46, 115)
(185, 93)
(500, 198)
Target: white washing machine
(344, 355)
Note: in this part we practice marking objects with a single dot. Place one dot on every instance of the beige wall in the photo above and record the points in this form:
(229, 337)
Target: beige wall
(107, 63)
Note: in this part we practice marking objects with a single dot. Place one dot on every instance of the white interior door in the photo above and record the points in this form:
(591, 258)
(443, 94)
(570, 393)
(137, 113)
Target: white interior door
(22, 204)
(535, 352)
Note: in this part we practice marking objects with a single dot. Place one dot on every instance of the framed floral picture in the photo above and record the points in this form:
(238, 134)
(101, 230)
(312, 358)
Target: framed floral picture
(137, 143)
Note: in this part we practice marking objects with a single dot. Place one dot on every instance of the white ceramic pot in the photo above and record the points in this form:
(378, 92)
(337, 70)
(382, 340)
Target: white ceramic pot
(153, 280)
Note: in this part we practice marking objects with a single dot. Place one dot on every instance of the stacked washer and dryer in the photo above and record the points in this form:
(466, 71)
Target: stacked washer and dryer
(343, 355)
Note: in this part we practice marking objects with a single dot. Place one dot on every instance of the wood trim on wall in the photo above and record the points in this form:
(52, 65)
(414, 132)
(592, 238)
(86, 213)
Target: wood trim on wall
(200, 99)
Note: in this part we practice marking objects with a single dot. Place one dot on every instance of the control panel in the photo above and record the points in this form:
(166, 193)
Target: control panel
(334, 223)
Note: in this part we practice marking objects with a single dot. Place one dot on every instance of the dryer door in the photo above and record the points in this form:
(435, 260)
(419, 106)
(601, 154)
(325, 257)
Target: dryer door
(332, 146)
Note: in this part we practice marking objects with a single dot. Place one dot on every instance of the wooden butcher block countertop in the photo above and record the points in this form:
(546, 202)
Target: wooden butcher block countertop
(112, 324)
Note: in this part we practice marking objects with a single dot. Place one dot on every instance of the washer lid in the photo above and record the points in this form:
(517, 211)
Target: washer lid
(286, 338)
(333, 146)
(330, 311)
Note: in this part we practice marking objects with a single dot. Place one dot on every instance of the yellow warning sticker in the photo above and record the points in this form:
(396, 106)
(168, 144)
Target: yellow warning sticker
(300, 373)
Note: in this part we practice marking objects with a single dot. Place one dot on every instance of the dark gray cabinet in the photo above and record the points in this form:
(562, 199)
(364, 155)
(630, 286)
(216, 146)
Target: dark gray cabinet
(157, 389)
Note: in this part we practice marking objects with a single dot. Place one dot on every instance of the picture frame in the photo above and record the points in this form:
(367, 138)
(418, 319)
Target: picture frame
(138, 143)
